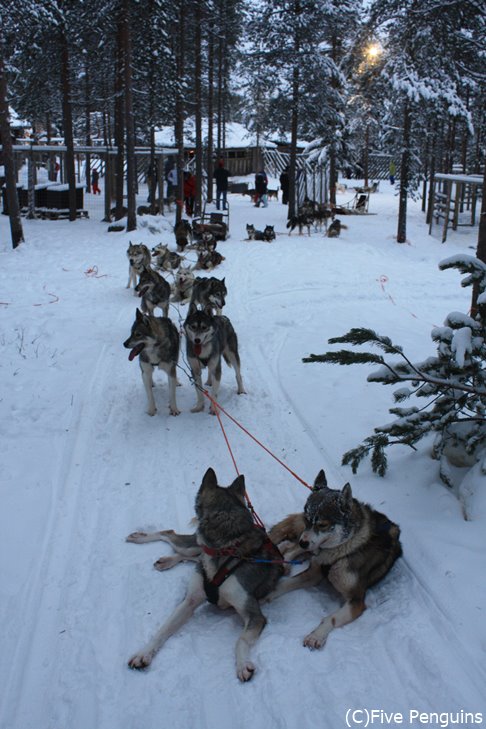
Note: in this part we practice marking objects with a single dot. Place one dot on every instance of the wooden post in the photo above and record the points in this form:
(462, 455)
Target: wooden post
(447, 210)
(430, 211)
(457, 201)
(160, 180)
(107, 218)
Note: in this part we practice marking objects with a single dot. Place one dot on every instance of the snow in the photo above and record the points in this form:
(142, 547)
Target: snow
(83, 465)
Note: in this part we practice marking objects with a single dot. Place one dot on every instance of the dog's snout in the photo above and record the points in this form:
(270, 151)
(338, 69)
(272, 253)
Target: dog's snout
(197, 341)
(304, 543)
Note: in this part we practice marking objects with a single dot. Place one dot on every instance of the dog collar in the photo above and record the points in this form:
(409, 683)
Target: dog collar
(223, 552)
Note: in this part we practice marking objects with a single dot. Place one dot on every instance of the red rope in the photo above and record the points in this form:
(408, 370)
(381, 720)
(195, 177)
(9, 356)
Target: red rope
(250, 506)
(304, 483)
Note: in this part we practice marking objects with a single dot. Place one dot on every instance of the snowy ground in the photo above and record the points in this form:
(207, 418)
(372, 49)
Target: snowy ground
(83, 465)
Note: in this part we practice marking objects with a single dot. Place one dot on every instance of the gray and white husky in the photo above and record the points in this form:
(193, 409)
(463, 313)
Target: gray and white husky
(347, 542)
(154, 291)
(166, 260)
(237, 566)
(209, 292)
(138, 260)
(155, 340)
(209, 338)
(183, 284)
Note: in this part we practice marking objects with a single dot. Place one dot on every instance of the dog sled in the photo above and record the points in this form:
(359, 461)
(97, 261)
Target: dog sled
(214, 221)
(357, 206)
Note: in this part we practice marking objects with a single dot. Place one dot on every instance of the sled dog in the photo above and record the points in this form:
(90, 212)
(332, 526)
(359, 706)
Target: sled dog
(267, 235)
(165, 259)
(209, 293)
(209, 338)
(138, 260)
(346, 541)
(207, 260)
(334, 230)
(183, 235)
(218, 230)
(228, 573)
(184, 281)
(156, 341)
(300, 221)
(154, 291)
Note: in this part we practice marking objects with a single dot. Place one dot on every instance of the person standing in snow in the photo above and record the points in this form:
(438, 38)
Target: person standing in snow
(393, 172)
(189, 192)
(221, 176)
(95, 176)
(261, 182)
(284, 186)
(171, 182)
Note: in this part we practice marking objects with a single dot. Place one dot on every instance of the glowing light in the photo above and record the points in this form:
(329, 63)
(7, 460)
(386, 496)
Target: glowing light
(373, 51)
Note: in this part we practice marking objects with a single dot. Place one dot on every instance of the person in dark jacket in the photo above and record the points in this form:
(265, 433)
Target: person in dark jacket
(284, 185)
(221, 176)
(261, 182)
(189, 192)
(95, 176)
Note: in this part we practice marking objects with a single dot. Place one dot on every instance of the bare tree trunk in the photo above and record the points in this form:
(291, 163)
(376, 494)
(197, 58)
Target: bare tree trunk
(481, 249)
(16, 230)
(130, 122)
(179, 113)
(67, 122)
(294, 124)
(87, 110)
(210, 169)
(119, 120)
(31, 184)
(198, 110)
(404, 176)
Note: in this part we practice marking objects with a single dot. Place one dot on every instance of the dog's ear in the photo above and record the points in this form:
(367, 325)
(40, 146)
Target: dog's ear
(192, 309)
(209, 480)
(138, 315)
(347, 494)
(222, 280)
(320, 481)
(238, 487)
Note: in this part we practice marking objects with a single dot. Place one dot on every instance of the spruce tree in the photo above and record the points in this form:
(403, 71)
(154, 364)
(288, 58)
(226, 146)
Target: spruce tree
(452, 383)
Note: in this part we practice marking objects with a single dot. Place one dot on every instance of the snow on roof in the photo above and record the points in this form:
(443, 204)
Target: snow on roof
(236, 136)
(16, 122)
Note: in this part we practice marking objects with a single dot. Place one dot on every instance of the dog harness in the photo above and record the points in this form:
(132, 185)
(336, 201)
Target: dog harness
(272, 555)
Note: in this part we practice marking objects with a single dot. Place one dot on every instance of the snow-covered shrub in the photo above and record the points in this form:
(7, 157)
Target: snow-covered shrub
(452, 383)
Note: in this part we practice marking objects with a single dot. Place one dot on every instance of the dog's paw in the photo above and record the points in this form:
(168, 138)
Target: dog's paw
(151, 411)
(137, 537)
(141, 660)
(198, 408)
(165, 563)
(241, 391)
(245, 671)
(314, 640)
(174, 411)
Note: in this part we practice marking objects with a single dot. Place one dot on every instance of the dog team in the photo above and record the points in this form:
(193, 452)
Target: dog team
(343, 541)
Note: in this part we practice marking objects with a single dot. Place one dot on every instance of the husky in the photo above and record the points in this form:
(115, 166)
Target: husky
(302, 220)
(208, 339)
(238, 567)
(138, 260)
(346, 541)
(322, 215)
(154, 291)
(334, 230)
(183, 234)
(156, 340)
(183, 284)
(207, 260)
(206, 243)
(209, 293)
(165, 259)
(267, 235)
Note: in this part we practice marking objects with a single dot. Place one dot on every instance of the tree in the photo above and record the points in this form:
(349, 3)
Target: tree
(16, 230)
(453, 383)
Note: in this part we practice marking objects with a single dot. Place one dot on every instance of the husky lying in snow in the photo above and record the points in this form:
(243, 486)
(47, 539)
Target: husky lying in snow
(227, 546)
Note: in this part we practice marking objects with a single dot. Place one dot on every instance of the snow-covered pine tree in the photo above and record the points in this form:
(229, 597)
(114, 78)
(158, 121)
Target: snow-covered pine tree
(452, 383)
(427, 53)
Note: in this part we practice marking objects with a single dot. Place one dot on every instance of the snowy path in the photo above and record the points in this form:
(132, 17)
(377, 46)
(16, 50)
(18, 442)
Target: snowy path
(89, 599)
